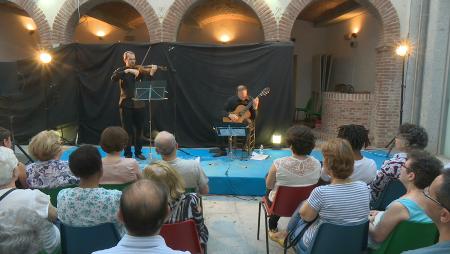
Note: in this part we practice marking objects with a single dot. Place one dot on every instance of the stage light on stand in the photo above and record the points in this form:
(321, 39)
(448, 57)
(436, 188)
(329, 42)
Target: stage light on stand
(276, 141)
(45, 57)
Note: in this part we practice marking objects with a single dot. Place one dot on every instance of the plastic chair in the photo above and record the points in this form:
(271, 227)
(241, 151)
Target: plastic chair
(53, 193)
(286, 201)
(308, 110)
(120, 186)
(80, 240)
(409, 236)
(182, 236)
(339, 239)
(393, 190)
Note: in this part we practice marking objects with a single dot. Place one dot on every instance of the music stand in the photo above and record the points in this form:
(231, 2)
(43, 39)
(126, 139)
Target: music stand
(231, 130)
(154, 90)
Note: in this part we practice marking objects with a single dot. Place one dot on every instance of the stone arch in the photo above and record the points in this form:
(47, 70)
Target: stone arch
(42, 25)
(386, 97)
(176, 12)
(65, 23)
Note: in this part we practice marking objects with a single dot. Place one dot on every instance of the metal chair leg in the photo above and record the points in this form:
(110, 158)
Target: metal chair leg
(267, 233)
(259, 220)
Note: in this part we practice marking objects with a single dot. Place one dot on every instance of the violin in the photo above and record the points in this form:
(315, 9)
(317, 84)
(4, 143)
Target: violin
(147, 68)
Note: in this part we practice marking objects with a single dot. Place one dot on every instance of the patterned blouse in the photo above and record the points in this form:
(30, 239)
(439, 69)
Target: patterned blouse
(84, 207)
(186, 208)
(49, 174)
(389, 170)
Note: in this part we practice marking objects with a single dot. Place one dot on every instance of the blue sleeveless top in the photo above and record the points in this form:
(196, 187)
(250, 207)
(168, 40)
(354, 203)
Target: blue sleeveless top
(416, 213)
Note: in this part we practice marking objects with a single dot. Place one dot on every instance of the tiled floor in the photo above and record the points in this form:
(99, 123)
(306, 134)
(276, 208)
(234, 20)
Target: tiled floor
(232, 224)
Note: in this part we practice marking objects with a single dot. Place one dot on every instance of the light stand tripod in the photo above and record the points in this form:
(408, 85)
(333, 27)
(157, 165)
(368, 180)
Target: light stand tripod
(150, 91)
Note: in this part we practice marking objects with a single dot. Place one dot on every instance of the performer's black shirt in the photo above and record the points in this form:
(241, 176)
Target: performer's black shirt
(234, 101)
(127, 83)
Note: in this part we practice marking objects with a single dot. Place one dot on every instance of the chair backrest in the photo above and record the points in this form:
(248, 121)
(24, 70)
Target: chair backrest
(120, 186)
(409, 236)
(393, 190)
(340, 239)
(80, 240)
(182, 236)
(53, 193)
(288, 198)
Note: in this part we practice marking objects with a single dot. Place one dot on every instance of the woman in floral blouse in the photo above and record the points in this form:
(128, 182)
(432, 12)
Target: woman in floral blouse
(49, 171)
(88, 205)
(410, 137)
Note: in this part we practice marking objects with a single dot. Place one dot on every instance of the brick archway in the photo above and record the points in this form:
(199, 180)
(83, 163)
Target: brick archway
(42, 25)
(176, 12)
(385, 113)
(65, 21)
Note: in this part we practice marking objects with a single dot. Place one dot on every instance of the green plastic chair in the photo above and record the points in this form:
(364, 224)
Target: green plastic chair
(53, 193)
(308, 110)
(120, 187)
(409, 236)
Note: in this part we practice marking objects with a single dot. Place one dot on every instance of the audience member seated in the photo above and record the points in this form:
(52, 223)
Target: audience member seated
(24, 231)
(437, 206)
(21, 200)
(342, 202)
(418, 172)
(409, 137)
(191, 171)
(183, 206)
(365, 169)
(143, 210)
(299, 169)
(88, 205)
(49, 171)
(6, 141)
(117, 170)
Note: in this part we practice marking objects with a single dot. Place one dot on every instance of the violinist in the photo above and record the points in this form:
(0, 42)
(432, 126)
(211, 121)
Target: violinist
(132, 112)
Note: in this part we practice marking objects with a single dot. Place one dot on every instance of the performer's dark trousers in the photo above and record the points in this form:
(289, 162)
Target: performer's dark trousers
(132, 122)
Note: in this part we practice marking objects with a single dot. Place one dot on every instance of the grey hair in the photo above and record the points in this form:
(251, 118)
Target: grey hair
(21, 231)
(125, 54)
(165, 143)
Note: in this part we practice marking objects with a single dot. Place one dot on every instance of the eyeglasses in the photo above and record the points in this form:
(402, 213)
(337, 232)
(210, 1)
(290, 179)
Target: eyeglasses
(426, 193)
(409, 169)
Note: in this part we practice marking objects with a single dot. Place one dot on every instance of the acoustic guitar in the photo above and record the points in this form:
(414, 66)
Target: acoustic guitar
(243, 111)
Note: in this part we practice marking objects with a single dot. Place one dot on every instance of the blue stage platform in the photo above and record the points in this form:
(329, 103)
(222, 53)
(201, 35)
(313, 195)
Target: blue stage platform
(237, 177)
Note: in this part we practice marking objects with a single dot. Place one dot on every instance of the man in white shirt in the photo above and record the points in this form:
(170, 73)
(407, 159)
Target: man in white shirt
(17, 199)
(143, 209)
(191, 171)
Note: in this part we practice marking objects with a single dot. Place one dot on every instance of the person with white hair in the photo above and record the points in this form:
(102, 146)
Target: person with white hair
(191, 171)
(24, 231)
(19, 199)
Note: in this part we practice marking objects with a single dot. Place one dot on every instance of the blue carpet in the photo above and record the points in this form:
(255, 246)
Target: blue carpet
(237, 177)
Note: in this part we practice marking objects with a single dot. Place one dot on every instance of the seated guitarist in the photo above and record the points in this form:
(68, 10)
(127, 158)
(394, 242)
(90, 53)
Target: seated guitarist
(241, 98)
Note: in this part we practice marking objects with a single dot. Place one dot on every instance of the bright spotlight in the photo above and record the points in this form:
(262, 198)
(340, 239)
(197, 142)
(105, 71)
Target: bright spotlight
(224, 38)
(276, 139)
(100, 34)
(402, 50)
(45, 57)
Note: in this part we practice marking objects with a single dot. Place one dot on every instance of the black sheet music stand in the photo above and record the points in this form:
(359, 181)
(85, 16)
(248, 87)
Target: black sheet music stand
(154, 90)
(231, 130)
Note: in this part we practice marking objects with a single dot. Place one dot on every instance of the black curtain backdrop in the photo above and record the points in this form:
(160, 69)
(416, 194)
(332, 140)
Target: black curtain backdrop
(75, 88)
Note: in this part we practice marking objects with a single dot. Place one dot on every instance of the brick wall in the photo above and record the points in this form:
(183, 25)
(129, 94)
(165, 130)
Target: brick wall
(343, 108)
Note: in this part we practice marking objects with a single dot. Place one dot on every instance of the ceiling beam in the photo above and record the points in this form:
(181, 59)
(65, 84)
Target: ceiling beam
(328, 17)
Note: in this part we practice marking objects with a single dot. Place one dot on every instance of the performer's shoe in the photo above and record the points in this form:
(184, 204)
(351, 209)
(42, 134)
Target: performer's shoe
(140, 157)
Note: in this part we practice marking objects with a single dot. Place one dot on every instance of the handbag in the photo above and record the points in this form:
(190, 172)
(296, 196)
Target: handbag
(294, 236)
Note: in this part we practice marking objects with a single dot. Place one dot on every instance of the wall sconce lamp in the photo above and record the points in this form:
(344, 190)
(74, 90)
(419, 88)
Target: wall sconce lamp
(100, 34)
(30, 29)
(352, 38)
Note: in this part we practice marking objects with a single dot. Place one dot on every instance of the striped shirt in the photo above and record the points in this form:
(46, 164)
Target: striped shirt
(188, 207)
(340, 204)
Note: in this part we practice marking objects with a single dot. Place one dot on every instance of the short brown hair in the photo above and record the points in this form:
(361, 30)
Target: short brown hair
(301, 139)
(338, 158)
(113, 139)
(45, 146)
(241, 87)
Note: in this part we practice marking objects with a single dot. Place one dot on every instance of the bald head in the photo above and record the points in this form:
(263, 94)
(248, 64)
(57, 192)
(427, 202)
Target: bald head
(165, 143)
(144, 208)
